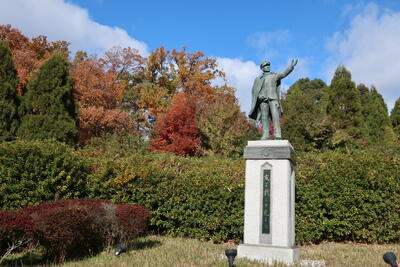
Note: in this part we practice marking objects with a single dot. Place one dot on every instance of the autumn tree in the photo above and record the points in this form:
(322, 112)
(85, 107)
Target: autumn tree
(176, 131)
(142, 87)
(161, 76)
(195, 72)
(29, 54)
(344, 108)
(305, 122)
(99, 90)
(50, 107)
(123, 62)
(9, 121)
(224, 128)
(150, 88)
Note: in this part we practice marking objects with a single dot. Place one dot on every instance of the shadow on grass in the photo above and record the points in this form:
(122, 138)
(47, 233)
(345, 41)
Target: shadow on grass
(140, 244)
(37, 258)
(25, 259)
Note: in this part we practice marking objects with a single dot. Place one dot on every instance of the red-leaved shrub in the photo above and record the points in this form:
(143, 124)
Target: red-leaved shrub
(66, 232)
(91, 204)
(69, 228)
(15, 227)
(133, 220)
(176, 131)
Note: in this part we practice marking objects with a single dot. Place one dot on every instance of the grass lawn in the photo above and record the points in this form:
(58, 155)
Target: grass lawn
(179, 252)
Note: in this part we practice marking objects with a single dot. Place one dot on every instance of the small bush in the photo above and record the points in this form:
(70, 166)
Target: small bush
(71, 228)
(133, 220)
(66, 232)
(32, 172)
(15, 228)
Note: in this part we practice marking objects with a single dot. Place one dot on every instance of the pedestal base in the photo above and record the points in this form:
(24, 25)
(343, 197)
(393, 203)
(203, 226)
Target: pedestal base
(268, 254)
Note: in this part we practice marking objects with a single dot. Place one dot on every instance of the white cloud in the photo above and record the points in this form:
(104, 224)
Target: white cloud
(240, 75)
(370, 49)
(60, 20)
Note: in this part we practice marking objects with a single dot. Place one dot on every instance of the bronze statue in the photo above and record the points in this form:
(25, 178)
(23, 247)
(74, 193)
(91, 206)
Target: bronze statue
(266, 103)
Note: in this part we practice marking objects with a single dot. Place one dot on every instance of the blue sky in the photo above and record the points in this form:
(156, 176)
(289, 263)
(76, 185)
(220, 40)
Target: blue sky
(362, 35)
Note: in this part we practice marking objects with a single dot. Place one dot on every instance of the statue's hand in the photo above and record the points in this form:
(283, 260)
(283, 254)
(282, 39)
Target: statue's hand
(294, 62)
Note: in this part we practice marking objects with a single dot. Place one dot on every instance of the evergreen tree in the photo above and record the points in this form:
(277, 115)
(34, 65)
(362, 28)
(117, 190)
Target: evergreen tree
(8, 98)
(344, 108)
(365, 99)
(375, 114)
(50, 107)
(305, 122)
(395, 116)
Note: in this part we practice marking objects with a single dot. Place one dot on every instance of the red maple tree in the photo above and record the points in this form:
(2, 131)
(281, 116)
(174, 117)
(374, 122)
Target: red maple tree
(176, 131)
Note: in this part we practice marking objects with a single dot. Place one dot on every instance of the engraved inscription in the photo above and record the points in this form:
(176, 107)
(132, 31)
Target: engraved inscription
(266, 207)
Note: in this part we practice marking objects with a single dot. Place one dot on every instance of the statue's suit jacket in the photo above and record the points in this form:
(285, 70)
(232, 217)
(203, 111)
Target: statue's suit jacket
(272, 81)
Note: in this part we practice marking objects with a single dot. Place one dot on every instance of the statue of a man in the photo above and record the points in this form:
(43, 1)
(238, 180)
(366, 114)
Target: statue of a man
(266, 98)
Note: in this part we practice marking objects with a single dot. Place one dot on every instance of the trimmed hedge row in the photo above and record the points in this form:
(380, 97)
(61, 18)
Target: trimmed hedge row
(196, 197)
(348, 196)
(32, 172)
(340, 196)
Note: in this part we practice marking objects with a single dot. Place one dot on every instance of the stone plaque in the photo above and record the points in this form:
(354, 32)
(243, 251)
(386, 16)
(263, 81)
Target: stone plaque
(266, 201)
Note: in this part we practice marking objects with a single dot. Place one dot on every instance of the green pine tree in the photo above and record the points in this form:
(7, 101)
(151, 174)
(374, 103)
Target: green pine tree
(50, 107)
(9, 122)
(305, 122)
(378, 120)
(365, 98)
(344, 108)
(395, 116)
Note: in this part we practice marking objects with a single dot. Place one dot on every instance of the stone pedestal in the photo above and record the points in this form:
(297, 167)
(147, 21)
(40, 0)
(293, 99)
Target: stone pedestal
(269, 203)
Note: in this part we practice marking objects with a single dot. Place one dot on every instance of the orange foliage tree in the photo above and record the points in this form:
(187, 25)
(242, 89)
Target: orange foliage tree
(165, 73)
(29, 54)
(150, 90)
(218, 125)
(196, 72)
(99, 90)
(122, 92)
(177, 131)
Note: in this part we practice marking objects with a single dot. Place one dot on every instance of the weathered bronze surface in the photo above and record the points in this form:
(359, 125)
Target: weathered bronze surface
(266, 105)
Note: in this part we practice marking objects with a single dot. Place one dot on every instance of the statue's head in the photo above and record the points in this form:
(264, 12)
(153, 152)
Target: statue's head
(265, 66)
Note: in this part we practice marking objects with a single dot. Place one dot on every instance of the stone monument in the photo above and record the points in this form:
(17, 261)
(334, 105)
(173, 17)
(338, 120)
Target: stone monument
(269, 233)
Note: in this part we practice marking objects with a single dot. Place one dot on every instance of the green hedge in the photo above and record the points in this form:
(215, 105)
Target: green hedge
(348, 196)
(32, 172)
(340, 196)
(196, 197)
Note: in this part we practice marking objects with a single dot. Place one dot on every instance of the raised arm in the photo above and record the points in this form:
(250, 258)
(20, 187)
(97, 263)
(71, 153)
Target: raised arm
(288, 70)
